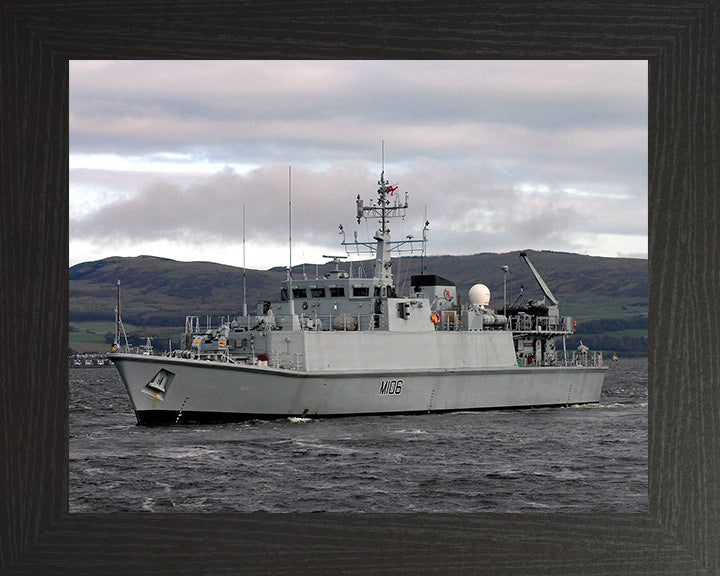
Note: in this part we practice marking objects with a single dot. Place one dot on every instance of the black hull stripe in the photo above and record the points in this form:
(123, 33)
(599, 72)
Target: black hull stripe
(160, 417)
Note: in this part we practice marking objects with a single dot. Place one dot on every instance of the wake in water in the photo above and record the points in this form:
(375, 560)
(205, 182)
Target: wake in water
(613, 405)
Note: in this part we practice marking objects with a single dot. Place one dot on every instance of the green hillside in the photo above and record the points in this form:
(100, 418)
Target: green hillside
(607, 296)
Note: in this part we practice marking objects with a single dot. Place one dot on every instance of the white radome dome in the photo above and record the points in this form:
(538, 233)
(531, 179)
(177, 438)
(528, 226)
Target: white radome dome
(479, 294)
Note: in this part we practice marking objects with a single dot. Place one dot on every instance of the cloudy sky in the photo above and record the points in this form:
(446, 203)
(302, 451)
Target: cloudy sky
(166, 155)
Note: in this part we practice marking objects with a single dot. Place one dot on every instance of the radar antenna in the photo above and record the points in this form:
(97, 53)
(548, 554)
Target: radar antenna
(335, 259)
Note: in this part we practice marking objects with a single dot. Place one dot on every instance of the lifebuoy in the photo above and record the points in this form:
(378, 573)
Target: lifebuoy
(435, 318)
(447, 293)
(304, 305)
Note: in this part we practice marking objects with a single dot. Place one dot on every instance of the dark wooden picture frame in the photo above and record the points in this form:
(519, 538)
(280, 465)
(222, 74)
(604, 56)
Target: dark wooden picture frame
(681, 532)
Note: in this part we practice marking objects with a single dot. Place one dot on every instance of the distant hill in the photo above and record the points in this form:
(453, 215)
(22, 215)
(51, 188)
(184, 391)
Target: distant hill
(607, 296)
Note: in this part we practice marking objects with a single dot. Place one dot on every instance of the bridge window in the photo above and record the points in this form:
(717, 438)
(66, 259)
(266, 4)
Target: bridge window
(317, 292)
(361, 291)
(299, 293)
(337, 292)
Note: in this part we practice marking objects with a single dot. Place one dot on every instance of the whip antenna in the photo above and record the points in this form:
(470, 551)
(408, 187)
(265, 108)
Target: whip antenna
(244, 281)
(290, 288)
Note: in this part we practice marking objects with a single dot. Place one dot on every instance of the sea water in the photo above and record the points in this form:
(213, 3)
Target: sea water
(571, 459)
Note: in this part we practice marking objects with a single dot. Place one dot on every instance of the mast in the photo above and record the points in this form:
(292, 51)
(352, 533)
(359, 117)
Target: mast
(383, 210)
(382, 255)
(117, 315)
(290, 215)
(119, 328)
(425, 229)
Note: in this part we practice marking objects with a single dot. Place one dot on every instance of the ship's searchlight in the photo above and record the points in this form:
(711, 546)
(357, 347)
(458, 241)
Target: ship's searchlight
(479, 294)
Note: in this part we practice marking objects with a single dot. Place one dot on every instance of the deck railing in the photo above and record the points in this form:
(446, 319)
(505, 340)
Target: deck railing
(339, 322)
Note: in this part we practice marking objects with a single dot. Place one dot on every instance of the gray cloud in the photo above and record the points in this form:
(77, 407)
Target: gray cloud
(505, 155)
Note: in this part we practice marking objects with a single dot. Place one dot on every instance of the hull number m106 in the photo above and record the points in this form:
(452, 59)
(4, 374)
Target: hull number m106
(391, 386)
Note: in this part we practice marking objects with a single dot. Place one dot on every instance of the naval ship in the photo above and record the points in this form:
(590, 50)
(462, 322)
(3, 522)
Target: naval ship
(349, 344)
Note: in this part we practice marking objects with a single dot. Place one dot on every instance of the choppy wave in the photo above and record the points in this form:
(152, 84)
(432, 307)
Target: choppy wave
(546, 460)
(182, 452)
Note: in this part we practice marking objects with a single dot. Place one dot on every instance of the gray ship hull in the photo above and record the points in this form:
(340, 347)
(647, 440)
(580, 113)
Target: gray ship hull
(170, 390)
